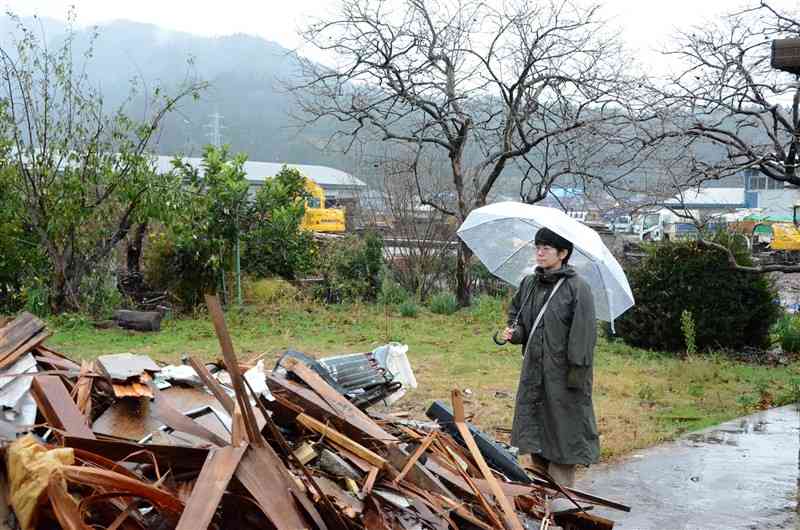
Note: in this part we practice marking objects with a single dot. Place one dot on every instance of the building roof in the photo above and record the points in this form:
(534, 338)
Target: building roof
(258, 172)
(709, 198)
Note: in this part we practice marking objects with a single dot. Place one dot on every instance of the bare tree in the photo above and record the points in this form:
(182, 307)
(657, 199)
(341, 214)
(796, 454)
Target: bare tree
(483, 85)
(727, 109)
(727, 96)
(420, 236)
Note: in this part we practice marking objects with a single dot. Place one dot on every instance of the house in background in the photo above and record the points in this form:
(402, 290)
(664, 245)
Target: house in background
(704, 202)
(775, 198)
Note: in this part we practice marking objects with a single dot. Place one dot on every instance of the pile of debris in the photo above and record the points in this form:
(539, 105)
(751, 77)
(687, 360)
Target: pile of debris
(123, 443)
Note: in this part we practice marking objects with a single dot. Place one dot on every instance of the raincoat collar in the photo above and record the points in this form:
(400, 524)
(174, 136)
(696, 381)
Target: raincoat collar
(553, 276)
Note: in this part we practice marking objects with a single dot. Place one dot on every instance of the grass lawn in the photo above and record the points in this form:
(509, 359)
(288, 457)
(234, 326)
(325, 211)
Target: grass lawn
(641, 397)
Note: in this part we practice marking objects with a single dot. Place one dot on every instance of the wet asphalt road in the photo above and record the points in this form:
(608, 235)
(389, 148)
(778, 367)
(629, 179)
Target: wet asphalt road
(742, 474)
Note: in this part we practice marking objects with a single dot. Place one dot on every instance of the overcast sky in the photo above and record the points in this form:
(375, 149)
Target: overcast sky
(644, 24)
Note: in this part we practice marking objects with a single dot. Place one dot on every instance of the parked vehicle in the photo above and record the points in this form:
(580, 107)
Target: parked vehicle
(318, 218)
(622, 224)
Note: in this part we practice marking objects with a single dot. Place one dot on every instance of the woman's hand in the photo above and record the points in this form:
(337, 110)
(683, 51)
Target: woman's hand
(507, 333)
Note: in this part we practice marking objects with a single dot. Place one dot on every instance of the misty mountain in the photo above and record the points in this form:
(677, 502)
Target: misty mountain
(246, 76)
(245, 73)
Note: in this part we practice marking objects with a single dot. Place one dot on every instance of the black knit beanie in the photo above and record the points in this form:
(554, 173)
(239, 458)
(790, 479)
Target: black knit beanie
(545, 236)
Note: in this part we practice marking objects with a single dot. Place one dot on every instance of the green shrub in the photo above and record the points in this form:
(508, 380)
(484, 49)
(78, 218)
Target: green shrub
(730, 308)
(689, 332)
(275, 243)
(268, 290)
(787, 330)
(443, 304)
(487, 308)
(35, 299)
(391, 293)
(409, 309)
(24, 271)
(188, 272)
(350, 268)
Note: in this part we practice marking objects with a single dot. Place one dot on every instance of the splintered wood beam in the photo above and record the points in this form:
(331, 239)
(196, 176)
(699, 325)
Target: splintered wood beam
(178, 421)
(369, 482)
(232, 364)
(214, 477)
(57, 406)
(415, 456)
(179, 459)
(213, 385)
(341, 440)
(511, 521)
(337, 403)
(265, 476)
(358, 427)
(468, 485)
(20, 336)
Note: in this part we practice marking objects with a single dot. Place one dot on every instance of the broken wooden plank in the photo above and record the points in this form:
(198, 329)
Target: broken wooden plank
(209, 487)
(511, 521)
(231, 363)
(57, 406)
(341, 440)
(417, 474)
(359, 427)
(495, 455)
(168, 456)
(264, 475)
(415, 456)
(178, 421)
(83, 389)
(584, 521)
(346, 411)
(54, 359)
(136, 387)
(369, 482)
(213, 385)
(471, 487)
(278, 438)
(19, 336)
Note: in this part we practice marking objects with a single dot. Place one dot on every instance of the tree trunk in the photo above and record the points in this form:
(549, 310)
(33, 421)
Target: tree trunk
(138, 320)
(462, 275)
(134, 249)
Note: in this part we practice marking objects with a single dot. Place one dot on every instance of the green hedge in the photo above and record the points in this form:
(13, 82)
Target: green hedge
(730, 308)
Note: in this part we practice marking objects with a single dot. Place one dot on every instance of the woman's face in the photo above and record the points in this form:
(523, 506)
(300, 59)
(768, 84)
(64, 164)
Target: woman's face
(548, 257)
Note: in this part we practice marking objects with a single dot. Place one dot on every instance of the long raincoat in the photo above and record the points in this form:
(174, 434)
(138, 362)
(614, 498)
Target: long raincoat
(554, 414)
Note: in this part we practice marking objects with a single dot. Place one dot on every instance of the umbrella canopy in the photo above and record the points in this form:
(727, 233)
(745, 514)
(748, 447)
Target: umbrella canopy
(502, 236)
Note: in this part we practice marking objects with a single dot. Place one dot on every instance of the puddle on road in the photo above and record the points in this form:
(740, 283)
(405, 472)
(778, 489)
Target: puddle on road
(742, 474)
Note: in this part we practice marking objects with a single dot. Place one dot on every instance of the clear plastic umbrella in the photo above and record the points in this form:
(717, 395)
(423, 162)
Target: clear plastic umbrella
(502, 236)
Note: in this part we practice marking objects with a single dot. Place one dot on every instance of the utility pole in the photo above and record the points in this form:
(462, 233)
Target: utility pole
(215, 129)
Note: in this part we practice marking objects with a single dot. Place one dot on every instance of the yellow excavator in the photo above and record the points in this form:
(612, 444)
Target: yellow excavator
(779, 234)
(318, 218)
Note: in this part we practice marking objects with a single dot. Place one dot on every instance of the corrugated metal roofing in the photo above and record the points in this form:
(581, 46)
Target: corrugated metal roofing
(257, 172)
(710, 197)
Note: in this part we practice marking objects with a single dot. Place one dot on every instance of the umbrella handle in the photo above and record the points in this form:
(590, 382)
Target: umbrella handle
(498, 341)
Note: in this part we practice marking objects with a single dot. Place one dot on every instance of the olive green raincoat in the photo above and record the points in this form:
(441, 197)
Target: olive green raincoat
(554, 415)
